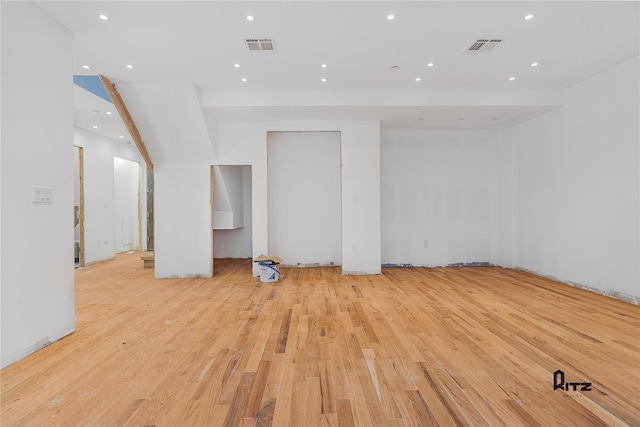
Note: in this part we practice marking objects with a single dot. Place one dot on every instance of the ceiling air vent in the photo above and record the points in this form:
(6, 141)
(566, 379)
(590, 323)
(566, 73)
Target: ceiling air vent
(484, 45)
(260, 45)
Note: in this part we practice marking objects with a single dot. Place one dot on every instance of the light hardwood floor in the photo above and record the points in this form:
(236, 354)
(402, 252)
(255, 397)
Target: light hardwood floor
(413, 347)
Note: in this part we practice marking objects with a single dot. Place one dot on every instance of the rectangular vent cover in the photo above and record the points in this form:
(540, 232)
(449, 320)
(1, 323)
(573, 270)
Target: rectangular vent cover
(484, 45)
(260, 45)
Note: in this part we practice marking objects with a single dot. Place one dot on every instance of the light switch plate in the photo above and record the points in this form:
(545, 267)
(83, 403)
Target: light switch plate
(42, 195)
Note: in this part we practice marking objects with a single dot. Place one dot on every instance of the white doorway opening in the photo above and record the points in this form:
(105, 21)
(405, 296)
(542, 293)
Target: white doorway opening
(126, 205)
(232, 211)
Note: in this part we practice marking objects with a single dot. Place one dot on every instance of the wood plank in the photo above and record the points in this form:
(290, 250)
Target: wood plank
(123, 111)
(81, 208)
(238, 407)
(412, 347)
(345, 415)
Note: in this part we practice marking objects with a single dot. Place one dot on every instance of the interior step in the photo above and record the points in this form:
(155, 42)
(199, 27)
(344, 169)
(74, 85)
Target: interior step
(149, 260)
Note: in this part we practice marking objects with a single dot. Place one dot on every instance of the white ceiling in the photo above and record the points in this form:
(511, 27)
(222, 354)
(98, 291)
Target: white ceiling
(91, 110)
(200, 41)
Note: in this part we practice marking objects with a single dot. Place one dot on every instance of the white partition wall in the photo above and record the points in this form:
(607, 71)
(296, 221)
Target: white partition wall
(183, 226)
(303, 176)
(37, 299)
(246, 143)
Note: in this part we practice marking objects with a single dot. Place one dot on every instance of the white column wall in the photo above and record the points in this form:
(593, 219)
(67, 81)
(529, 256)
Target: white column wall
(183, 227)
(179, 141)
(37, 298)
(361, 253)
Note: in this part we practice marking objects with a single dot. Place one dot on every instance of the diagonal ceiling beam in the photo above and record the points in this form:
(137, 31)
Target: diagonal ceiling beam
(127, 119)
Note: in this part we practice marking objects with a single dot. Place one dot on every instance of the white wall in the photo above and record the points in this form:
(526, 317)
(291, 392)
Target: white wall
(228, 198)
(37, 151)
(99, 224)
(179, 141)
(237, 243)
(158, 107)
(235, 185)
(2, 358)
(437, 189)
(578, 185)
(303, 176)
(183, 226)
(246, 143)
(504, 200)
(170, 120)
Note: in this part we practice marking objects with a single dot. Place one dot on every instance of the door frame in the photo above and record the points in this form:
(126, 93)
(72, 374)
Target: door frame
(81, 208)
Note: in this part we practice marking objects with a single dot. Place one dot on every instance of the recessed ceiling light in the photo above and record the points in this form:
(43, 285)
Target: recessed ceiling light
(250, 18)
(121, 136)
(103, 17)
(528, 17)
(390, 17)
(324, 65)
(129, 66)
(418, 79)
(323, 79)
(108, 113)
(236, 65)
(430, 64)
(512, 78)
(534, 64)
(86, 67)
(95, 127)
(244, 79)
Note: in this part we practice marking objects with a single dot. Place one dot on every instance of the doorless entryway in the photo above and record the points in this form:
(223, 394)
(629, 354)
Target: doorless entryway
(126, 205)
